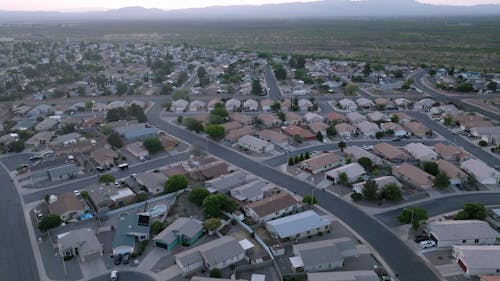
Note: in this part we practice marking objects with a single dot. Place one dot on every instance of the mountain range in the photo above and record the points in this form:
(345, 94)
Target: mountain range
(318, 9)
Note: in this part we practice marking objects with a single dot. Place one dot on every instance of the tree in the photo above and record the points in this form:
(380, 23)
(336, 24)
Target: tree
(256, 87)
(379, 134)
(49, 222)
(394, 119)
(297, 138)
(482, 143)
(180, 119)
(413, 216)
(343, 178)
(307, 155)
(370, 190)
(135, 111)
(115, 140)
(180, 94)
(291, 161)
(442, 180)
(167, 89)
(276, 106)
(472, 211)
(202, 76)
(331, 131)
(391, 192)
(301, 62)
(106, 178)
(153, 145)
(280, 73)
(157, 227)
(350, 89)
(121, 88)
(366, 163)
(214, 204)
(212, 224)
(309, 200)
(215, 273)
(342, 145)
(367, 69)
(281, 116)
(116, 114)
(216, 132)
(193, 124)
(176, 183)
(141, 197)
(430, 167)
(319, 136)
(197, 195)
(492, 86)
(356, 196)
(16, 146)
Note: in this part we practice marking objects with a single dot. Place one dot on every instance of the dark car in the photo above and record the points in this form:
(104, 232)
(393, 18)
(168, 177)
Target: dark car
(420, 238)
(118, 259)
(126, 259)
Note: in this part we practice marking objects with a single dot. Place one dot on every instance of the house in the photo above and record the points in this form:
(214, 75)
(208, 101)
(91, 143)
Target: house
(211, 104)
(298, 226)
(322, 255)
(293, 130)
(347, 104)
(451, 152)
(234, 135)
(377, 116)
(320, 163)
(488, 134)
(210, 171)
(232, 125)
(250, 105)
(47, 124)
(483, 173)
(357, 275)
(271, 207)
(130, 228)
(461, 232)
(353, 172)
(380, 181)
(457, 176)
(249, 192)
(266, 104)
(233, 105)
(269, 120)
(82, 242)
(402, 117)
(421, 151)
(197, 105)
(255, 144)
(416, 128)
(368, 129)
(477, 259)
(197, 278)
(273, 137)
(66, 205)
(305, 104)
(335, 117)
(135, 132)
(103, 197)
(355, 117)
(489, 278)
(398, 130)
(357, 152)
(226, 182)
(184, 231)
(311, 117)
(39, 139)
(153, 182)
(21, 110)
(243, 119)
(402, 103)
(413, 175)
(24, 125)
(319, 127)
(423, 105)
(63, 172)
(364, 103)
(39, 110)
(383, 104)
(104, 156)
(219, 253)
(390, 152)
(293, 118)
(345, 130)
(138, 150)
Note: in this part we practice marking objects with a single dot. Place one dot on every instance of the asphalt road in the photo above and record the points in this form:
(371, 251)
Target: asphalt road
(272, 84)
(125, 276)
(395, 252)
(16, 258)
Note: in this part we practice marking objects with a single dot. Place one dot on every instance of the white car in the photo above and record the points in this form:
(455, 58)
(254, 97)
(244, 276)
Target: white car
(427, 244)
(114, 275)
(367, 147)
(76, 192)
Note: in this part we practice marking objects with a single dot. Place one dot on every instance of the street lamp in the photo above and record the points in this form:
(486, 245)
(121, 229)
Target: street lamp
(411, 220)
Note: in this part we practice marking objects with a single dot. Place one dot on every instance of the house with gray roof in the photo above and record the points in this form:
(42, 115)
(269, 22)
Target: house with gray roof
(356, 275)
(135, 132)
(63, 172)
(184, 231)
(226, 182)
(130, 228)
(461, 232)
(153, 182)
(82, 242)
(298, 226)
(250, 192)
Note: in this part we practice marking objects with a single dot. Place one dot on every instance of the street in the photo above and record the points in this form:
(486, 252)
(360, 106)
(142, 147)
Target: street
(125, 276)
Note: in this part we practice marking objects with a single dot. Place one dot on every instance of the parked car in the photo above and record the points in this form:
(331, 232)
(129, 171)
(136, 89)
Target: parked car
(420, 238)
(126, 259)
(396, 139)
(118, 259)
(77, 193)
(36, 157)
(427, 244)
(114, 275)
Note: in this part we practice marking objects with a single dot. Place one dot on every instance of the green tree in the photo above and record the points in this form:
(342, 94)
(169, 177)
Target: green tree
(157, 227)
(106, 178)
(281, 116)
(167, 89)
(215, 273)
(350, 89)
(342, 145)
(379, 134)
(331, 131)
(202, 76)
(343, 179)
(115, 140)
(297, 138)
(276, 106)
(180, 94)
(366, 163)
(356, 196)
(176, 183)
(309, 200)
(472, 211)
(116, 114)
(16, 146)
(442, 180)
(291, 161)
(319, 136)
(212, 224)
(256, 87)
(180, 119)
(214, 204)
(197, 195)
(413, 216)
(216, 132)
(280, 73)
(193, 124)
(430, 167)
(49, 222)
(492, 86)
(370, 190)
(394, 118)
(307, 155)
(391, 192)
(153, 145)
(482, 143)
(141, 197)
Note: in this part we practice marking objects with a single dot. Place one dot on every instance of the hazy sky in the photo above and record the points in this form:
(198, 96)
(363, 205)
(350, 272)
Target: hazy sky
(82, 5)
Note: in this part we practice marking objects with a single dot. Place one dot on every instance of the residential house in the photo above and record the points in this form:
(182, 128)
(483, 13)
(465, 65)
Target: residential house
(293, 118)
(320, 163)
(184, 231)
(298, 226)
(402, 117)
(319, 127)
(64, 172)
(461, 232)
(355, 117)
(368, 129)
(39, 139)
(153, 182)
(250, 105)
(470, 121)
(116, 104)
(377, 116)
(293, 130)
(243, 119)
(380, 181)
(198, 278)
(219, 253)
(347, 104)
(345, 130)
(234, 135)
(255, 144)
(421, 151)
(413, 175)
(483, 173)
(138, 150)
(130, 228)
(197, 105)
(457, 176)
(266, 104)
(402, 103)
(451, 152)
(233, 105)
(335, 118)
(273, 137)
(416, 128)
(104, 156)
(271, 207)
(488, 134)
(24, 125)
(249, 192)
(353, 171)
(39, 110)
(231, 126)
(305, 104)
(21, 110)
(357, 275)
(477, 259)
(364, 104)
(47, 124)
(357, 152)
(311, 117)
(226, 182)
(211, 104)
(82, 242)
(269, 120)
(66, 205)
(390, 152)
(103, 197)
(383, 104)
(423, 105)
(322, 255)
(398, 130)
(135, 132)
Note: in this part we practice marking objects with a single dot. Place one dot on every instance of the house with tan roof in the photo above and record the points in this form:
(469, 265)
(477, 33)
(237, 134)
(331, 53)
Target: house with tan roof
(66, 205)
(271, 207)
(320, 163)
(347, 104)
(391, 152)
(243, 119)
(197, 105)
(457, 176)
(403, 117)
(293, 130)
(231, 126)
(304, 104)
(355, 117)
(266, 104)
(402, 103)
(335, 117)
(104, 156)
(367, 128)
(293, 118)
(274, 137)
(269, 120)
(377, 116)
(413, 175)
(318, 127)
(250, 105)
(233, 105)
(421, 151)
(416, 128)
(364, 103)
(451, 152)
(311, 117)
(398, 130)
(357, 152)
(236, 134)
(345, 130)
(211, 104)
(482, 172)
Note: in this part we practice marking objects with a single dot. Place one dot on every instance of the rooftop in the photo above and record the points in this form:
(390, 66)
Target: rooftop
(298, 223)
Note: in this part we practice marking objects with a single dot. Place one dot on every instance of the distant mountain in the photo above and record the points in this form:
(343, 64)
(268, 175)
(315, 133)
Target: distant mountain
(319, 9)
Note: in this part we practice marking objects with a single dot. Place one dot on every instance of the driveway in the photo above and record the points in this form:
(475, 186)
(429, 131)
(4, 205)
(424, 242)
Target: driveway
(93, 266)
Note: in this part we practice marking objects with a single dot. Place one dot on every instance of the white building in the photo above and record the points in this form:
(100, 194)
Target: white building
(250, 105)
(347, 104)
(179, 105)
(461, 232)
(421, 151)
(478, 260)
(367, 128)
(233, 105)
(255, 144)
(482, 172)
(353, 172)
(298, 226)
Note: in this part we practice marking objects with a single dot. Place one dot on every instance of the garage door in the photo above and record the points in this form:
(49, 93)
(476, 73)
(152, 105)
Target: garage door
(462, 265)
(161, 245)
